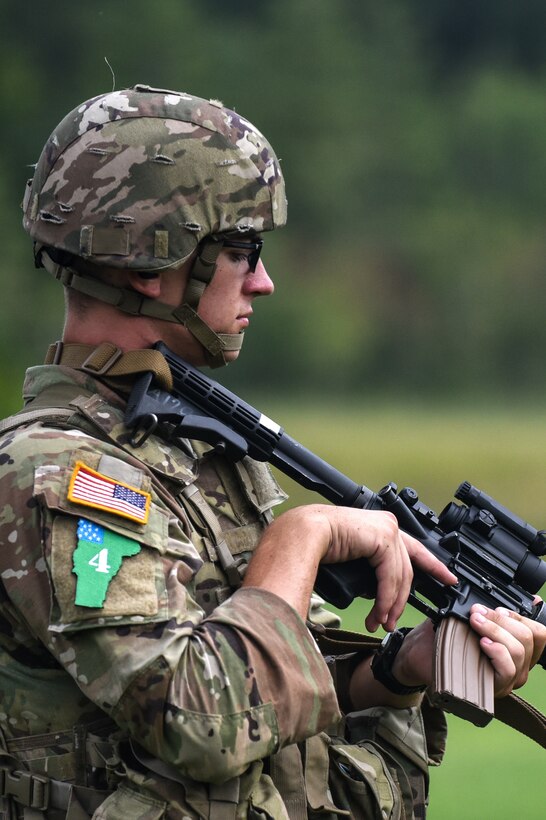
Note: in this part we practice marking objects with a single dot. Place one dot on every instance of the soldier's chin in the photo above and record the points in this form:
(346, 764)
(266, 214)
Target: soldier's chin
(231, 355)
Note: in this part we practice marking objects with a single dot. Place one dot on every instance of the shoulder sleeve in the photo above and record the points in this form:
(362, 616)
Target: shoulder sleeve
(108, 590)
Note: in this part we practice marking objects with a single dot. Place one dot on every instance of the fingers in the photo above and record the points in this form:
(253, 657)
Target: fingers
(394, 575)
(412, 552)
(425, 560)
(512, 642)
(373, 535)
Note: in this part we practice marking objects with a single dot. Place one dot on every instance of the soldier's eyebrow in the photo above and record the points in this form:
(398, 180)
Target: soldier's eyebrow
(252, 245)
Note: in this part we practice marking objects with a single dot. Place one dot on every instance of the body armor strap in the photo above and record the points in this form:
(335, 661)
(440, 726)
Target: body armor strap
(33, 795)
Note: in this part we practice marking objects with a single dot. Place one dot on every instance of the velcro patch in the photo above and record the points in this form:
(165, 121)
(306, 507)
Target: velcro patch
(97, 559)
(92, 489)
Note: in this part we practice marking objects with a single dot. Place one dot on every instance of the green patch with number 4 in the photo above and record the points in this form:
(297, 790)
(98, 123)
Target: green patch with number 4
(97, 559)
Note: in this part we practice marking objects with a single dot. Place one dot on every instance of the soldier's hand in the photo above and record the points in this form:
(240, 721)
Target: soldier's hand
(512, 642)
(375, 535)
(287, 557)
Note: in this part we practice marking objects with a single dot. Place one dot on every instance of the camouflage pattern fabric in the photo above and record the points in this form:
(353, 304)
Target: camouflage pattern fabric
(136, 178)
(223, 693)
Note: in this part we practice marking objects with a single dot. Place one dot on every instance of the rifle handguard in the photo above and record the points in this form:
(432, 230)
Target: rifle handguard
(463, 681)
(495, 555)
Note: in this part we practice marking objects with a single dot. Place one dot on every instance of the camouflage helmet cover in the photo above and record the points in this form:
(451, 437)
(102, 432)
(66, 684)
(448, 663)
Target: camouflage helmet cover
(137, 178)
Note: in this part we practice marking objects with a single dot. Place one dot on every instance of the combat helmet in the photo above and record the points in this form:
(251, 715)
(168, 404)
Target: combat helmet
(142, 178)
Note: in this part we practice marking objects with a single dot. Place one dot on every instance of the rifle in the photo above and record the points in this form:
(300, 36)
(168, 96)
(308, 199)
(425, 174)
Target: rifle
(495, 555)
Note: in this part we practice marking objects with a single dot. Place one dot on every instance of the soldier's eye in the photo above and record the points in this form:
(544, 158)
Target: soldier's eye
(239, 258)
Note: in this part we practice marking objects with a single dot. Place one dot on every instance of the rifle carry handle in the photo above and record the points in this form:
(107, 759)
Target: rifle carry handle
(463, 676)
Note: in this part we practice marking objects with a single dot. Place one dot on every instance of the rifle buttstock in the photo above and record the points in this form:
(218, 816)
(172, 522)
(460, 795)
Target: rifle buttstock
(463, 676)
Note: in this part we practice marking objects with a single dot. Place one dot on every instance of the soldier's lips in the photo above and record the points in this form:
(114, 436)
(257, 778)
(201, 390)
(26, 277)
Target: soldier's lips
(244, 319)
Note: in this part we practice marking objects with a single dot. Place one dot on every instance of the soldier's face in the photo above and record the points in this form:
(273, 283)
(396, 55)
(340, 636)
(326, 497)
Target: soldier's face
(226, 304)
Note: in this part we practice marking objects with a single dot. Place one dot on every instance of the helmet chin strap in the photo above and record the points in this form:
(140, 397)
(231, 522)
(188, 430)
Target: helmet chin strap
(216, 345)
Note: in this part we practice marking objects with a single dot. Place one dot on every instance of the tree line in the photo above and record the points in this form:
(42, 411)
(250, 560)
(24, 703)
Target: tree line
(411, 135)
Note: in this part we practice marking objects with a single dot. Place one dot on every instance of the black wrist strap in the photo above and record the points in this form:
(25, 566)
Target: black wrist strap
(383, 660)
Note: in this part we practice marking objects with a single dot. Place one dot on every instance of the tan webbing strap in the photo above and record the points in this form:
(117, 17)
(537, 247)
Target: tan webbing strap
(53, 795)
(301, 774)
(214, 343)
(317, 768)
(35, 793)
(135, 304)
(223, 797)
(229, 564)
(333, 641)
(124, 299)
(515, 712)
(202, 270)
(127, 300)
(44, 414)
(111, 241)
(108, 360)
(61, 801)
(286, 770)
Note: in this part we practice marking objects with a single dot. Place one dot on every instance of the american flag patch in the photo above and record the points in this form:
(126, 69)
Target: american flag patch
(93, 489)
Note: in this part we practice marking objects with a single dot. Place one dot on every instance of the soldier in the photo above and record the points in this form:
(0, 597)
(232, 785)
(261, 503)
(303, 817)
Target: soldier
(155, 656)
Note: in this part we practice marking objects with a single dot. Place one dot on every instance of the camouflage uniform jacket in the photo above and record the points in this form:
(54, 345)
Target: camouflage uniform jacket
(119, 621)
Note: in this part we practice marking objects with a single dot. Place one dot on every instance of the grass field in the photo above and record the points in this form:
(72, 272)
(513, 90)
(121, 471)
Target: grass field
(492, 773)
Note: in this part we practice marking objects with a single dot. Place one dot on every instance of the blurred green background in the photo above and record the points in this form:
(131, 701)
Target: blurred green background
(492, 773)
(406, 337)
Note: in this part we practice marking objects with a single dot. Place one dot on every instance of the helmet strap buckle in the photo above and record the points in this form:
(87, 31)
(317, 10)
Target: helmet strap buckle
(102, 359)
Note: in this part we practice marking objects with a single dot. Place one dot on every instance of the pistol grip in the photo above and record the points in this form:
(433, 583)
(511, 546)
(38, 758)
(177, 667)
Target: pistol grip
(463, 681)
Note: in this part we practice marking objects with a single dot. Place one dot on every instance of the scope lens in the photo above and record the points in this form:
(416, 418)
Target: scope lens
(531, 574)
(452, 517)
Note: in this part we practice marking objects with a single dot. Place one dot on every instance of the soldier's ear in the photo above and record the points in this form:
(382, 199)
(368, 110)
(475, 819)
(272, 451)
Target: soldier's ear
(148, 283)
